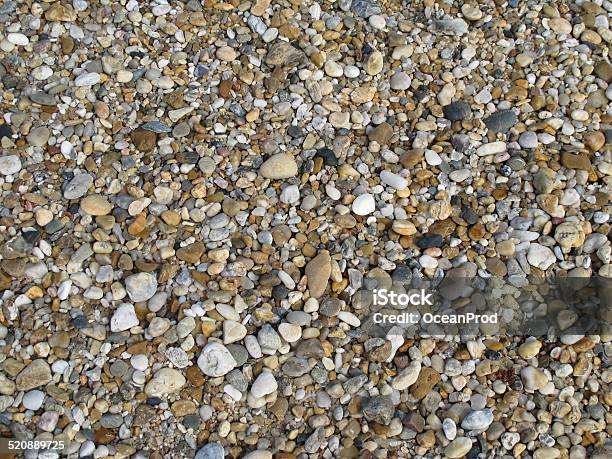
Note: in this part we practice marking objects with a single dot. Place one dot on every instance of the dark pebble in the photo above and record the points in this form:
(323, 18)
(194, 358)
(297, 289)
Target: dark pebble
(295, 132)
(280, 292)
(31, 235)
(239, 353)
(461, 142)
(469, 215)
(187, 157)
(5, 131)
(201, 70)
(154, 401)
(79, 322)
(501, 121)
(493, 355)
(430, 240)
(192, 421)
(329, 157)
(54, 226)
(457, 111)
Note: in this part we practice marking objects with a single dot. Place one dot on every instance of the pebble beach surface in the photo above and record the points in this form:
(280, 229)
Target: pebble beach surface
(198, 197)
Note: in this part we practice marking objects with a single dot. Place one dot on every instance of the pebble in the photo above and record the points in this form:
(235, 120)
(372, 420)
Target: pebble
(264, 384)
(407, 377)
(165, 381)
(87, 79)
(501, 121)
(364, 204)
(318, 272)
(33, 400)
(141, 287)
(39, 136)
(279, 166)
(124, 318)
(393, 180)
(10, 164)
(78, 186)
(210, 451)
(215, 360)
(478, 420)
(540, 256)
(458, 448)
(528, 139)
(18, 39)
(400, 81)
(457, 111)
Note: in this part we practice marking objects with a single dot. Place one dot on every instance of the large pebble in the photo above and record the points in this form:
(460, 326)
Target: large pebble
(264, 384)
(164, 382)
(318, 272)
(364, 204)
(124, 318)
(10, 164)
(478, 420)
(279, 166)
(141, 286)
(458, 448)
(215, 360)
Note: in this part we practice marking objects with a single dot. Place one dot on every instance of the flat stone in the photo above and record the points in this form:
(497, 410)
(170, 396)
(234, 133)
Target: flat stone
(407, 377)
(400, 81)
(378, 409)
(458, 448)
(264, 384)
(364, 204)
(191, 253)
(87, 79)
(279, 166)
(454, 26)
(478, 420)
(164, 382)
(428, 378)
(59, 12)
(540, 256)
(529, 348)
(144, 140)
(78, 186)
(491, 148)
(533, 378)
(157, 127)
(374, 63)
(42, 98)
(215, 360)
(39, 136)
(394, 180)
(124, 318)
(283, 54)
(33, 400)
(33, 375)
(457, 111)
(10, 164)
(318, 272)
(501, 121)
(381, 134)
(211, 451)
(141, 286)
(233, 331)
(96, 204)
